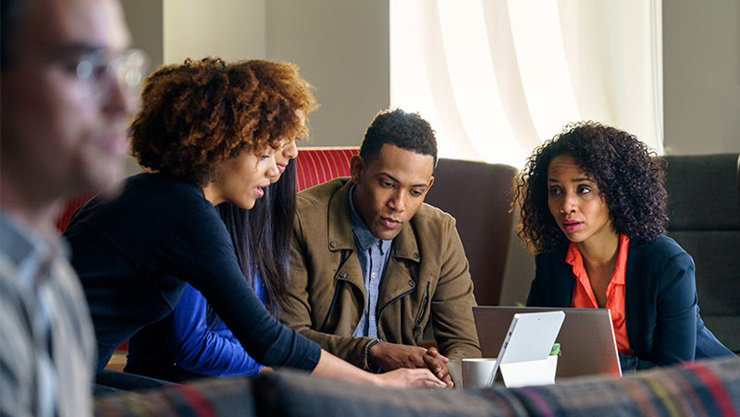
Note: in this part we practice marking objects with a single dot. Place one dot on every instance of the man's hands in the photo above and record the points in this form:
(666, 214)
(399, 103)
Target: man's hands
(437, 363)
(391, 356)
(330, 366)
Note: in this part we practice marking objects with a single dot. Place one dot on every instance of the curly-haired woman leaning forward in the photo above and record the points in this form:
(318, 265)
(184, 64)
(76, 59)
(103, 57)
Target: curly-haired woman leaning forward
(593, 211)
(208, 132)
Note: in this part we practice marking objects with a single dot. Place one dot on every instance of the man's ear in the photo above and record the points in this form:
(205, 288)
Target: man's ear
(356, 166)
(429, 186)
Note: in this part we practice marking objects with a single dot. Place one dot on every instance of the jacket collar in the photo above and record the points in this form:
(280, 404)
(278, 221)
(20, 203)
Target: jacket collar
(340, 228)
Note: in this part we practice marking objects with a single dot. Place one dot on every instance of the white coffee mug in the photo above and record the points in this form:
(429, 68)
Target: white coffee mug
(476, 372)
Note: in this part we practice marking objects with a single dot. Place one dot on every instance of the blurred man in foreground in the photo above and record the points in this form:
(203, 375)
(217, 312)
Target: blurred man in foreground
(66, 73)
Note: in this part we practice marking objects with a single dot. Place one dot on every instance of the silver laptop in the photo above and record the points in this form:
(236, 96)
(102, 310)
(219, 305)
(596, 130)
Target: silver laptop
(586, 338)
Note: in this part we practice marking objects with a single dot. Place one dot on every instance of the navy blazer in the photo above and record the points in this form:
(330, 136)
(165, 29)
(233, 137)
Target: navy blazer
(663, 322)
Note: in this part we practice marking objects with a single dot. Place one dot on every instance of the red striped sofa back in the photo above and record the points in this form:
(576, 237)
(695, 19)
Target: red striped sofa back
(316, 165)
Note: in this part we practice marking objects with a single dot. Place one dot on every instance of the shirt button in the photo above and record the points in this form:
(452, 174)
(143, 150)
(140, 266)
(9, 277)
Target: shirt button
(415, 255)
(342, 274)
(411, 283)
(333, 244)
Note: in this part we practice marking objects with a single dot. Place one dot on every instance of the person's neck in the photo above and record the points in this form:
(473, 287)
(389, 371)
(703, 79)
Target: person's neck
(600, 251)
(34, 210)
(211, 194)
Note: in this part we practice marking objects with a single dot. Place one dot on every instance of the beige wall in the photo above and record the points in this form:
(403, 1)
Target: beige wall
(342, 48)
(701, 75)
(144, 18)
(229, 29)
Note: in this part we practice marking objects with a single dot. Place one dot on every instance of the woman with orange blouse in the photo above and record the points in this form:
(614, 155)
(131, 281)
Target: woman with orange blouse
(593, 211)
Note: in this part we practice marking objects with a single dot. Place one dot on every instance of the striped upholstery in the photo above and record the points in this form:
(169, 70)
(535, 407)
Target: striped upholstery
(208, 398)
(291, 394)
(704, 388)
(318, 165)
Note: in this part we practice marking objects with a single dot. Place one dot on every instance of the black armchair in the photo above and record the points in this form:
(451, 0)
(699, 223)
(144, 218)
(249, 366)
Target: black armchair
(704, 218)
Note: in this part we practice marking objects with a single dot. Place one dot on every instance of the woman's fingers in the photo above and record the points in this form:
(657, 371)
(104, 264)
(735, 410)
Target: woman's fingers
(411, 378)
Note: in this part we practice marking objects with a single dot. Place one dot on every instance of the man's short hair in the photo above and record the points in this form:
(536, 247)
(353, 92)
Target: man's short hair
(396, 127)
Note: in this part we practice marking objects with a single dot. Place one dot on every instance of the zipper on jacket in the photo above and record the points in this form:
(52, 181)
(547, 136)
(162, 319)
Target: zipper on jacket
(422, 311)
(343, 256)
(403, 294)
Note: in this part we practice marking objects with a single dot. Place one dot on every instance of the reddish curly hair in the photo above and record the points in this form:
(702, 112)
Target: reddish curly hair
(198, 114)
(630, 178)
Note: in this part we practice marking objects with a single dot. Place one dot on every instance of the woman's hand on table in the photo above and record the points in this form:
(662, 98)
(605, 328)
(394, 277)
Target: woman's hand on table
(404, 377)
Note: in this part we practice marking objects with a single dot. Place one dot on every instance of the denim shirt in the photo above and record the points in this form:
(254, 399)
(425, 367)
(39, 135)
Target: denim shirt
(373, 255)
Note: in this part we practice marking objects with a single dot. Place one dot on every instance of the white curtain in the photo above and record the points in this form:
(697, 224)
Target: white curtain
(495, 78)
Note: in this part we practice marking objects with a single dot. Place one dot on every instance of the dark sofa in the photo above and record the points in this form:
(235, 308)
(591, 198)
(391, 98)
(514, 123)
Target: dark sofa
(704, 218)
(704, 388)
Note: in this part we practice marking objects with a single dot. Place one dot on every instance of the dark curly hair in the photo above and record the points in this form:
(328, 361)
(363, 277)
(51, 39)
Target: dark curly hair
(628, 174)
(200, 113)
(396, 127)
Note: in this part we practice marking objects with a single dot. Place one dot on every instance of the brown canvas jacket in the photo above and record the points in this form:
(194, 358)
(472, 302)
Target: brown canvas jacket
(427, 278)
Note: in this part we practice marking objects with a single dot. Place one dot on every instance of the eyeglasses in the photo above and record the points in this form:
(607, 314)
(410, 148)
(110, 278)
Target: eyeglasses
(98, 68)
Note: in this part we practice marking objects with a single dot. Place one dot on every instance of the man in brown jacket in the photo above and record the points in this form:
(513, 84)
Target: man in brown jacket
(372, 264)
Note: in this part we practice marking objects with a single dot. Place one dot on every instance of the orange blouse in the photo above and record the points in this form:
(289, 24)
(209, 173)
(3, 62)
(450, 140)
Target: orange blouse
(584, 297)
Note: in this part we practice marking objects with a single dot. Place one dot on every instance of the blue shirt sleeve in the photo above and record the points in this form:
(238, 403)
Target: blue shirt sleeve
(204, 346)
